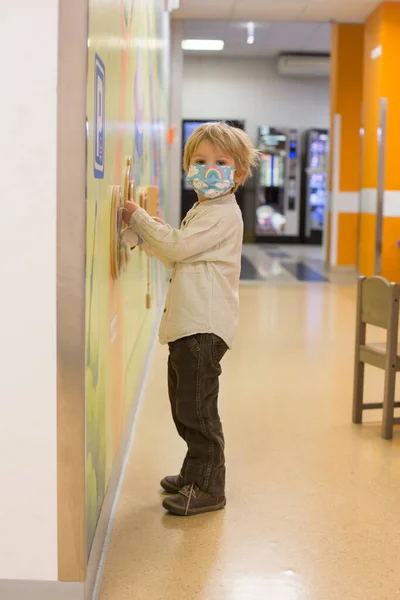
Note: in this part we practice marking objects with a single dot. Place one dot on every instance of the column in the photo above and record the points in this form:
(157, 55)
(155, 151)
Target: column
(346, 107)
(382, 34)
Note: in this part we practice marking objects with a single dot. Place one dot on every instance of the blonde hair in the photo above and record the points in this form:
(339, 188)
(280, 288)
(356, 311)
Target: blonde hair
(232, 140)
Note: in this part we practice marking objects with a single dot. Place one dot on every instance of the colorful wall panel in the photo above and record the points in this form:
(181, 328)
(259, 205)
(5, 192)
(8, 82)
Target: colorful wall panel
(127, 117)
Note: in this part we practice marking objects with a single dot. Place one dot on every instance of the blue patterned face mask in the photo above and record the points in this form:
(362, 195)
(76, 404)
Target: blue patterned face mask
(211, 181)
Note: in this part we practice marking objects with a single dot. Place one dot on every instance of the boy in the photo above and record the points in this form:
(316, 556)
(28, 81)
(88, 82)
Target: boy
(202, 308)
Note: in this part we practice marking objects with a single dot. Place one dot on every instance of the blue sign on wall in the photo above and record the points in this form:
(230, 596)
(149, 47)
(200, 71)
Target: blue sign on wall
(99, 117)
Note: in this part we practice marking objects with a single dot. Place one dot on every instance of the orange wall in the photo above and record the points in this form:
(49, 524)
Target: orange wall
(346, 99)
(381, 81)
(390, 250)
(349, 102)
(390, 88)
(347, 242)
(371, 94)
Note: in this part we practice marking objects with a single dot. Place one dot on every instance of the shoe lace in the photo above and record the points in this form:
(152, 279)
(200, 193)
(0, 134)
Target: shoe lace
(189, 491)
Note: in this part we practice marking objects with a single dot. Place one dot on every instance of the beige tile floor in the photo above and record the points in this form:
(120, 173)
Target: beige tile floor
(313, 502)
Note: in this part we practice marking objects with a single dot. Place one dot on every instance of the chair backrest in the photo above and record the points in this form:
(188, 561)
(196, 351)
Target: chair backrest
(379, 298)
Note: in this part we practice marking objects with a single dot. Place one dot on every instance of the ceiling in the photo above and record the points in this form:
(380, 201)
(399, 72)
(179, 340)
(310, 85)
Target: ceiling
(350, 11)
(270, 38)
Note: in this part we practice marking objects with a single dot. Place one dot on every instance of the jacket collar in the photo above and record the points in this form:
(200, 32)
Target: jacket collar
(228, 199)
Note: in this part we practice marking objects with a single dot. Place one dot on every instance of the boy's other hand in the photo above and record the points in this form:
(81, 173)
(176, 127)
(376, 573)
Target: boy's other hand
(129, 209)
(158, 220)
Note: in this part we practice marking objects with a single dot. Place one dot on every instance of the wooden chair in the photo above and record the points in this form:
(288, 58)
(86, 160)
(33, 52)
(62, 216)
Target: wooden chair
(378, 305)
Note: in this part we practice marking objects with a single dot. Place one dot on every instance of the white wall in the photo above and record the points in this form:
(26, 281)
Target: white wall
(250, 89)
(28, 475)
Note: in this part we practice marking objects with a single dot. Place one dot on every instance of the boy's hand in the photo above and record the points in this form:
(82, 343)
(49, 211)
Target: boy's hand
(129, 209)
(158, 220)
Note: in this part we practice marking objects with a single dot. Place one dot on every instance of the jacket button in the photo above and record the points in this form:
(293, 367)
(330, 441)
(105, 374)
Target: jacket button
(170, 280)
(165, 310)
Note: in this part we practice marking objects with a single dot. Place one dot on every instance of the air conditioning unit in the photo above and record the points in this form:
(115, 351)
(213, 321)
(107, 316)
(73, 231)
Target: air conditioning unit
(304, 65)
(170, 5)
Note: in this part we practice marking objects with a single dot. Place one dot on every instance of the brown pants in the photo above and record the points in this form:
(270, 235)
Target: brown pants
(193, 382)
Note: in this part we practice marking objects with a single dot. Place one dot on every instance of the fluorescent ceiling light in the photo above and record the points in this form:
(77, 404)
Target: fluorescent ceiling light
(213, 45)
(250, 32)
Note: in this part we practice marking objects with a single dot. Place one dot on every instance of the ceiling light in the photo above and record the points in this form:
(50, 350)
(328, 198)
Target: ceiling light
(250, 32)
(210, 45)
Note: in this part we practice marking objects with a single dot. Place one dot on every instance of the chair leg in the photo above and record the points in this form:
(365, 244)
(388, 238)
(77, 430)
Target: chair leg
(388, 403)
(358, 394)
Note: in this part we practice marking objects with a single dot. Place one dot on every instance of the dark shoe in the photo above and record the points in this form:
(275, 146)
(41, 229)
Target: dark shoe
(172, 484)
(192, 501)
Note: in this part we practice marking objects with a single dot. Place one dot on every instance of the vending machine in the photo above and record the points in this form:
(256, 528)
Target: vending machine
(314, 185)
(278, 190)
(188, 195)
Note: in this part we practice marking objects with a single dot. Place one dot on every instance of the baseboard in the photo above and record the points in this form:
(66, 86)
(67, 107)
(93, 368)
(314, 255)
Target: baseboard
(278, 240)
(40, 590)
(102, 536)
(350, 269)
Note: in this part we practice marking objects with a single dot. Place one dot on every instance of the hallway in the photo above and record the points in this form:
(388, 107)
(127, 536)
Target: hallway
(313, 501)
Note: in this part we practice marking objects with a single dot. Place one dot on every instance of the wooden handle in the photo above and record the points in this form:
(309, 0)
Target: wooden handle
(115, 230)
(127, 180)
(148, 295)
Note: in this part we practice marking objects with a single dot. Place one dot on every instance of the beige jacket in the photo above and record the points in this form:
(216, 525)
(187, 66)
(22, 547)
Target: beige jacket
(205, 257)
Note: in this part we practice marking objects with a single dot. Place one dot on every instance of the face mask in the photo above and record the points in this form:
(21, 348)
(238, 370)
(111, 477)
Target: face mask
(211, 181)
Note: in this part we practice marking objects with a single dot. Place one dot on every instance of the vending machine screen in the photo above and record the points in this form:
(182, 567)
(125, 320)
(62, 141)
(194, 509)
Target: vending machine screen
(317, 181)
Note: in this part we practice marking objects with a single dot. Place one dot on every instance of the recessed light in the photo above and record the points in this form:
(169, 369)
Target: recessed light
(206, 45)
